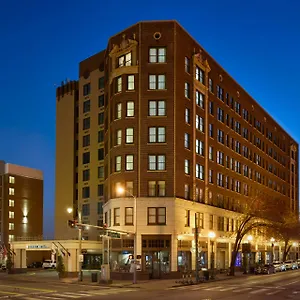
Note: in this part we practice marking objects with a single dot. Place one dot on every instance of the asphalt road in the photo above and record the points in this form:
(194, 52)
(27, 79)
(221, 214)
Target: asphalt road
(285, 285)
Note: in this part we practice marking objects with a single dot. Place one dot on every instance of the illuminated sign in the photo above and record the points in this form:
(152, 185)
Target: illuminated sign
(37, 247)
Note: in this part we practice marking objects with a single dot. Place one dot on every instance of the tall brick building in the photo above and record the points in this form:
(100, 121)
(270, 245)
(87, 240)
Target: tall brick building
(155, 114)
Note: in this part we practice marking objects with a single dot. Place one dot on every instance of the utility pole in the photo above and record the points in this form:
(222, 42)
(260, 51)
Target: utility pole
(196, 242)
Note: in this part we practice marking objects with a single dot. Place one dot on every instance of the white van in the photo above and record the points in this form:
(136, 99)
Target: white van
(49, 264)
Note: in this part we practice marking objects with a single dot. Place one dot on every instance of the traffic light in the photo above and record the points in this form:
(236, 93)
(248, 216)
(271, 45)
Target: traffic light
(71, 223)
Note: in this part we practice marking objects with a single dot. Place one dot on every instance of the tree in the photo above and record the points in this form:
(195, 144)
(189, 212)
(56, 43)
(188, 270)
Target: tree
(9, 263)
(254, 213)
(60, 267)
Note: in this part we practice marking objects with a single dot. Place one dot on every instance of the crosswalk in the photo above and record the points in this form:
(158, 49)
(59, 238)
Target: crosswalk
(253, 290)
(66, 295)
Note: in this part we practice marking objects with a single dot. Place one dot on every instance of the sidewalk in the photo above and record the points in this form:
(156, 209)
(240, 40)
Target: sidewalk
(154, 284)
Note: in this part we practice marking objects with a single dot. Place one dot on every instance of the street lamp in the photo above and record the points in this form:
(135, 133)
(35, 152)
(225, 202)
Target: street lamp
(211, 235)
(121, 190)
(249, 238)
(273, 254)
(70, 210)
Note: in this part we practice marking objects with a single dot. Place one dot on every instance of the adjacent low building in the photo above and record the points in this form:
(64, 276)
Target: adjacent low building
(156, 115)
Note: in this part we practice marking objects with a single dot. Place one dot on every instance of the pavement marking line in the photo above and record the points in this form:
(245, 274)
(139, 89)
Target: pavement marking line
(47, 297)
(78, 293)
(242, 290)
(258, 291)
(228, 289)
(290, 283)
(64, 295)
(213, 288)
(27, 288)
(273, 293)
(10, 293)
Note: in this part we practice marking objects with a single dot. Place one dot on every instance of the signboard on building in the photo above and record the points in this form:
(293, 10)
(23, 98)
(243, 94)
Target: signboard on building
(37, 247)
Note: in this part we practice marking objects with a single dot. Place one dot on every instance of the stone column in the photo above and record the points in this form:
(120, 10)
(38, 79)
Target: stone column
(209, 249)
(174, 253)
(23, 259)
(229, 255)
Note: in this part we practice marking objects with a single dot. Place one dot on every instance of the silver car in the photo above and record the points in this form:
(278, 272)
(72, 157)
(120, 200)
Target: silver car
(291, 265)
(279, 266)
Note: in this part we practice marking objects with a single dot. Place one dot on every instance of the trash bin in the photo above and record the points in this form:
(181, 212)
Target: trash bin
(94, 277)
(206, 274)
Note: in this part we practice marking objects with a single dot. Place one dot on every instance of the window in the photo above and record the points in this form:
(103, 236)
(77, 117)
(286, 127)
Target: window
(85, 209)
(86, 123)
(119, 111)
(220, 158)
(101, 83)
(130, 82)
(129, 162)
(210, 85)
(11, 237)
(199, 171)
(199, 75)
(220, 177)
(11, 203)
(101, 118)
(11, 215)
(86, 89)
(211, 130)
(187, 66)
(100, 136)
(101, 101)
(211, 222)
(220, 134)
(119, 137)
(129, 186)
(199, 99)
(156, 215)
(220, 114)
(210, 153)
(129, 136)
(101, 172)
(187, 90)
(86, 140)
(199, 123)
(86, 158)
(86, 175)
(11, 179)
(156, 188)
(211, 107)
(157, 82)
(157, 135)
(128, 215)
(118, 165)
(100, 190)
(187, 115)
(101, 154)
(187, 141)
(117, 216)
(11, 226)
(186, 166)
(157, 108)
(157, 55)
(199, 147)
(119, 84)
(220, 93)
(210, 176)
(124, 60)
(130, 109)
(11, 191)
(86, 106)
(199, 220)
(156, 162)
(86, 192)
(187, 218)
(186, 191)
(100, 208)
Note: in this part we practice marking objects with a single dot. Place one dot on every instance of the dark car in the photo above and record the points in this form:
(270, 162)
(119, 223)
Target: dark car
(35, 265)
(265, 269)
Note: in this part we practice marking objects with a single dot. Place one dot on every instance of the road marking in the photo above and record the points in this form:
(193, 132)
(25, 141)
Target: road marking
(65, 295)
(10, 293)
(273, 293)
(228, 289)
(290, 283)
(213, 288)
(42, 297)
(197, 288)
(258, 291)
(242, 290)
(27, 288)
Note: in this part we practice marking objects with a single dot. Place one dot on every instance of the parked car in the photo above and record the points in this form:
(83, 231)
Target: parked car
(3, 267)
(265, 269)
(279, 266)
(291, 265)
(49, 264)
(298, 262)
(35, 265)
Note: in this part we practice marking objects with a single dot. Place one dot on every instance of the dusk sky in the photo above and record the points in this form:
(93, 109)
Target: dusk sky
(42, 43)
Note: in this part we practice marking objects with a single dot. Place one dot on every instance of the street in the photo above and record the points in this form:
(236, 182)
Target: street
(285, 285)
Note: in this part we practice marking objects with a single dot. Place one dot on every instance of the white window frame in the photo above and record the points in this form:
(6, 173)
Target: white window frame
(130, 109)
(130, 82)
(119, 84)
(129, 162)
(129, 137)
(119, 137)
(157, 55)
(11, 179)
(11, 191)
(118, 163)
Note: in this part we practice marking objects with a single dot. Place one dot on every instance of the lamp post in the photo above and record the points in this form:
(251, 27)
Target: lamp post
(121, 190)
(79, 221)
(295, 250)
(211, 235)
(272, 241)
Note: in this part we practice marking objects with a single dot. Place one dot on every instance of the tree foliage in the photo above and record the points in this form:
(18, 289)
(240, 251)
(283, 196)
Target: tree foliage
(60, 267)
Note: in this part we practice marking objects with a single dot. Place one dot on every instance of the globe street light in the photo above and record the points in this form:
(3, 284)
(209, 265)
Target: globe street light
(70, 210)
(120, 191)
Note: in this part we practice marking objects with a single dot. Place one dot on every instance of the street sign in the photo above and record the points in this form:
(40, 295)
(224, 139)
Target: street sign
(114, 235)
(80, 258)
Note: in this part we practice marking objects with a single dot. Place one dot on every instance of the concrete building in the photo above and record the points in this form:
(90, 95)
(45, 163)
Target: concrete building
(155, 114)
(21, 203)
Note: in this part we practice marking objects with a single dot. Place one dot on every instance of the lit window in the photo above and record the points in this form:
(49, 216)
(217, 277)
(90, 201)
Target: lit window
(119, 85)
(187, 90)
(117, 216)
(11, 191)
(156, 162)
(156, 215)
(119, 111)
(11, 226)
(157, 108)
(129, 162)
(130, 109)
(186, 166)
(199, 99)
(118, 163)
(119, 137)
(11, 215)
(157, 55)
(130, 82)
(187, 65)
(157, 82)
(128, 215)
(11, 203)
(11, 237)
(11, 179)
(124, 60)
(200, 75)
(129, 135)
(157, 134)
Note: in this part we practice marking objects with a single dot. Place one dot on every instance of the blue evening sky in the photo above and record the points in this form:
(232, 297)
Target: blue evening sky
(42, 42)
